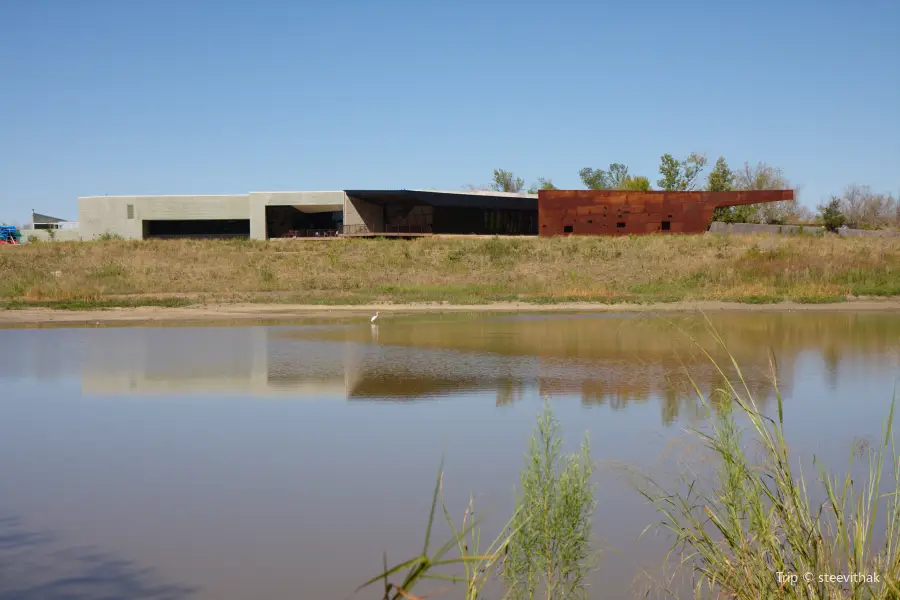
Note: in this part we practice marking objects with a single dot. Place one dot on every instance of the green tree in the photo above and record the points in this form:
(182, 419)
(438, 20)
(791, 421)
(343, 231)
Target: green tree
(636, 183)
(599, 179)
(721, 179)
(614, 178)
(680, 176)
(831, 214)
(505, 181)
(542, 184)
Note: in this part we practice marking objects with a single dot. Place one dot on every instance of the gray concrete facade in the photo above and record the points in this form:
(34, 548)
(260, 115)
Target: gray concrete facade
(229, 215)
(125, 216)
(361, 216)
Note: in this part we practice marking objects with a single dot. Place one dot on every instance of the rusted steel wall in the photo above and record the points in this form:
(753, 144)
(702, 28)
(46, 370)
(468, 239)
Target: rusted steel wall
(618, 212)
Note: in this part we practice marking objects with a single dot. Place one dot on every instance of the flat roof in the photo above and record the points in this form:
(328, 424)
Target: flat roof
(484, 199)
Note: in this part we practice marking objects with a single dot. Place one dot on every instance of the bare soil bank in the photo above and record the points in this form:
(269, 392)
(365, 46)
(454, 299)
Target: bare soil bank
(286, 312)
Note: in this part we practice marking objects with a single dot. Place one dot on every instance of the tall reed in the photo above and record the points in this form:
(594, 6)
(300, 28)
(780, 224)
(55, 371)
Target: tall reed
(550, 553)
(754, 533)
(543, 549)
(478, 565)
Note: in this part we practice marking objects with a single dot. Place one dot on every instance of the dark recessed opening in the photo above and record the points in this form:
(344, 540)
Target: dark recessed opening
(567, 229)
(197, 228)
(620, 225)
(666, 225)
(590, 220)
(288, 221)
(670, 216)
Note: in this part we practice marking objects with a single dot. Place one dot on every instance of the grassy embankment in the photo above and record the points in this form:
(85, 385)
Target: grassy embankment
(752, 269)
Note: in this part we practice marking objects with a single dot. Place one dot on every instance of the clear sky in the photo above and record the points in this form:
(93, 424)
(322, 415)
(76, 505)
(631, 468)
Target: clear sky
(224, 96)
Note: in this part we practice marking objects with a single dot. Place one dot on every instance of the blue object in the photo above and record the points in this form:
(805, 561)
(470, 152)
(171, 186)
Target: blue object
(9, 232)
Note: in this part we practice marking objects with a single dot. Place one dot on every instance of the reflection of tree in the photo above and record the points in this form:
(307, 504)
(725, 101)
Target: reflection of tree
(622, 361)
(670, 401)
(832, 357)
(509, 392)
(620, 384)
(35, 566)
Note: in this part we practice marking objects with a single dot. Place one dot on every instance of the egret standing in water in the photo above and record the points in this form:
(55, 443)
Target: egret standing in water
(374, 317)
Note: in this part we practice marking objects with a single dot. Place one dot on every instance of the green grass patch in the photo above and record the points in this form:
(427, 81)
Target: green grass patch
(876, 289)
(452, 293)
(108, 271)
(96, 304)
(756, 299)
(819, 299)
(571, 299)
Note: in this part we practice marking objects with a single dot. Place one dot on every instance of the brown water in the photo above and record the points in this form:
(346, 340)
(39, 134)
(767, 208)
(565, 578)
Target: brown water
(279, 462)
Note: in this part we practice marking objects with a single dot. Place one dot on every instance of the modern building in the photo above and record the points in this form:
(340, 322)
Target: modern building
(266, 215)
(621, 212)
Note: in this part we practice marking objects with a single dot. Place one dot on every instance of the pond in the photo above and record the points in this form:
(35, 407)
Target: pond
(282, 461)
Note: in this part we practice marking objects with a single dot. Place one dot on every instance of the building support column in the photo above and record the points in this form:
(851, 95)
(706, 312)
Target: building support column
(258, 205)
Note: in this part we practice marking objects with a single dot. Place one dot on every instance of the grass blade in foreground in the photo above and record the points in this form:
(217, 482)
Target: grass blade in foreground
(478, 566)
(754, 534)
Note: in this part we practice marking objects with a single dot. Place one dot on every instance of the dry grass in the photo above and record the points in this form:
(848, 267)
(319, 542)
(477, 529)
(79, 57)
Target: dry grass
(635, 269)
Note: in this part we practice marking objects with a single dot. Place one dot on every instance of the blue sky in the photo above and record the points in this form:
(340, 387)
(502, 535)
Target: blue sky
(219, 96)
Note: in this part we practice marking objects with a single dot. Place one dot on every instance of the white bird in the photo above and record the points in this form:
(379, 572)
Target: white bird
(374, 317)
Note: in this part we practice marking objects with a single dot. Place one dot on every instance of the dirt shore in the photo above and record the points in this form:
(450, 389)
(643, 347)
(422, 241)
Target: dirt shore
(286, 312)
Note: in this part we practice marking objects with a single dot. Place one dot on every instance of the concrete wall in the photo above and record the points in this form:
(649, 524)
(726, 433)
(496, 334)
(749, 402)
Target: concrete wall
(99, 215)
(192, 207)
(43, 235)
(867, 233)
(109, 214)
(362, 214)
(745, 228)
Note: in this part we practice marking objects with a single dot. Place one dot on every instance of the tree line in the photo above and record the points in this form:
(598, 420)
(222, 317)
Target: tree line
(858, 206)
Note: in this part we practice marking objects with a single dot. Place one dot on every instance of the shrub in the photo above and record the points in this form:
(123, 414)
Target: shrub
(832, 217)
(544, 546)
(551, 549)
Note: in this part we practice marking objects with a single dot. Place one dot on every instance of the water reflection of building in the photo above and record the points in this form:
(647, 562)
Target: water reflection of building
(234, 360)
(262, 361)
(343, 362)
(614, 362)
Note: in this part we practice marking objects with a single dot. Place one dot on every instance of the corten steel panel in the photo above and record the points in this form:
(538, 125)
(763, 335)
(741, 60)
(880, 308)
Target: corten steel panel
(618, 212)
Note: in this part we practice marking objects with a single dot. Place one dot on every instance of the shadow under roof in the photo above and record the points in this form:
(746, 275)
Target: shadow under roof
(463, 199)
